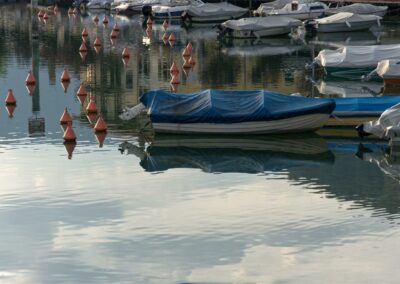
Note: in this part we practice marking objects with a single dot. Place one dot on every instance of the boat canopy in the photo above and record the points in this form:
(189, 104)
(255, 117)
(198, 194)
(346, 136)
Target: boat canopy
(359, 8)
(214, 9)
(261, 23)
(357, 56)
(217, 106)
(348, 18)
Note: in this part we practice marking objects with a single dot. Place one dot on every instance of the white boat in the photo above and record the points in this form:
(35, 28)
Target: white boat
(99, 4)
(301, 11)
(344, 22)
(213, 12)
(173, 10)
(360, 9)
(361, 59)
(389, 71)
(257, 27)
(267, 7)
(232, 112)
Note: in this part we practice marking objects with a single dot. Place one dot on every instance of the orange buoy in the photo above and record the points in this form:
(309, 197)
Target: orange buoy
(186, 64)
(171, 37)
(83, 48)
(190, 46)
(100, 125)
(84, 32)
(82, 90)
(91, 107)
(81, 99)
(69, 134)
(97, 49)
(100, 137)
(70, 147)
(30, 89)
(45, 16)
(40, 14)
(186, 53)
(83, 55)
(165, 36)
(65, 76)
(70, 11)
(105, 20)
(75, 11)
(116, 27)
(30, 79)
(125, 53)
(10, 110)
(175, 80)
(165, 25)
(174, 69)
(149, 22)
(113, 34)
(10, 99)
(65, 117)
(191, 61)
(174, 88)
(97, 42)
(65, 86)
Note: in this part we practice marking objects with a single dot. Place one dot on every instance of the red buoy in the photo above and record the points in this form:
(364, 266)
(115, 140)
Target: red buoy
(45, 16)
(40, 14)
(165, 36)
(100, 137)
(70, 147)
(174, 69)
(82, 90)
(105, 20)
(100, 125)
(115, 27)
(30, 89)
(149, 22)
(84, 32)
(10, 99)
(125, 53)
(165, 25)
(10, 110)
(70, 11)
(186, 64)
(113, 34)
(65, 117)
(171, 37)
(95, 19)
(97, 49)
(175, 80)
(91, 107)
(69, 134)
(83, 55)
(190, 46)
(65, 76)
(97, 42)
(83, 48)
(186, 53)
(30, 79)
(125, 60)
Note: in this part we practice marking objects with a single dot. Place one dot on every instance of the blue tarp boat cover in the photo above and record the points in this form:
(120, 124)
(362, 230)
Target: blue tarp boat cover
(364, 105)
(217, 106)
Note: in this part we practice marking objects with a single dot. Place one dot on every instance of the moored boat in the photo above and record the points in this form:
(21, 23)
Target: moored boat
(233, 112)
(213, 12)
(360, 9)
(300, 11)
(388, 70)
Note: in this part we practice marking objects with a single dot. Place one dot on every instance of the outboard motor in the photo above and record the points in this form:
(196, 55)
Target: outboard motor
(309, 25)
(146, 10)
(361, 132)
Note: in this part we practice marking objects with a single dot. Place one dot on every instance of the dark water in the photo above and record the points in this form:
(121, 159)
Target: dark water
(135, 208)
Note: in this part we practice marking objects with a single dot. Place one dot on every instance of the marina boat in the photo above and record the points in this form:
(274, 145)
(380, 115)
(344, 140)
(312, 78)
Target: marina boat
(172, 10)
(356, 60)
(228, 154)
(213, 12)
(388, 70)
(353, 111)
(360, 9)
(274, 5)
(343, 22)
(257, 27)
(300, 11)
(232, 112)
(99, 4)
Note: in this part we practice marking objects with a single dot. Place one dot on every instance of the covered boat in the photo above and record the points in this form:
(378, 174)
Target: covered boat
(172, 10)
(344, 22)
(257, 27)
(300, 11)
(388, 70)
(232, 112)
(359, 59)
(360, 9)
(213, 12)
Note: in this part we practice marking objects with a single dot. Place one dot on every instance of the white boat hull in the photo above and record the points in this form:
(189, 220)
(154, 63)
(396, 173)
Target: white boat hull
(300, 16)
(220, 18)
(301, 123)
(343, 27)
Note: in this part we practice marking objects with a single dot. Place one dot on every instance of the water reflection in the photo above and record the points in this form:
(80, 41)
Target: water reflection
(346, 89)
(361, 38)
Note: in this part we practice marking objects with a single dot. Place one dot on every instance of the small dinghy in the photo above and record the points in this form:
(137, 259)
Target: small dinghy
(360, 9)
(232, 112)
(358, 60)
(344, 22)
(213, 12)
(257, 27)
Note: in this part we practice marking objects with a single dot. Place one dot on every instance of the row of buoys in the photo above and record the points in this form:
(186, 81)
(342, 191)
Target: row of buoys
(73, 11)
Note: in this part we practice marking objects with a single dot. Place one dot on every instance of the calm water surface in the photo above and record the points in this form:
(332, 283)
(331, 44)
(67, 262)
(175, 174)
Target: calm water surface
(132, 207)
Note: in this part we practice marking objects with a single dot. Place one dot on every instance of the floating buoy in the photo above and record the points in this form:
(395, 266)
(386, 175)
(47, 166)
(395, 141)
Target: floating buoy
(186, 53)
(113, 34)
(70, 11)
(165, 41)
(100, 137)
(30, 89)
(82, 90)
(40, 14)
(65, 117)
(91, 107)
(186, 64)
(125, 53)
(105, 20)
(125, 60)
(65, 86)
(83, 48)
(10, 99)
(191, 61)
(83, 55)
(95, 19)
(175, 80)
(100, 125)
(149, 22)
(69, 134)
(174, 69)
(116, 27)
(165, 36)
(10, 110)
(65, 76)
(189, 46)
(171, 37)
(30, 79)
(97, 49)
(97, 42)
(165, 25)
(70, 147)
(84, 32)
(45, 16)
(75, 11)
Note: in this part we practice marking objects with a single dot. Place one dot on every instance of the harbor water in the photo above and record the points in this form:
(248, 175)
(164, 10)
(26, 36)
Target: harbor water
(128, 206)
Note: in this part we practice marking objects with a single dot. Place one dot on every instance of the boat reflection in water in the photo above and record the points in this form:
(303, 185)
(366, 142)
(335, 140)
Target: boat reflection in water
(346, 89)
(231, 154)
(362, 38)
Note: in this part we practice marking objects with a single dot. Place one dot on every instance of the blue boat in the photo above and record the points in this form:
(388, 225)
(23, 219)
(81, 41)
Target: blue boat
(234, 112)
